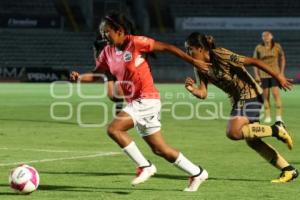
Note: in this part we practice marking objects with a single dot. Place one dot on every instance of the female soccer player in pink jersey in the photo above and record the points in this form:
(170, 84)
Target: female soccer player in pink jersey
(124, 57)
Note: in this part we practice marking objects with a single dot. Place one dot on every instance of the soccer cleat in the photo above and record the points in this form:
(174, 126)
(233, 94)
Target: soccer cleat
(195, 181)
(283, 135)
(287, 175)
(143, 174)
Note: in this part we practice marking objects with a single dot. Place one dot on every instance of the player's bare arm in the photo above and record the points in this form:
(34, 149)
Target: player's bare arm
(88, 77)
(285, 83)
(200, 65)
(282, 63)
(200, 91)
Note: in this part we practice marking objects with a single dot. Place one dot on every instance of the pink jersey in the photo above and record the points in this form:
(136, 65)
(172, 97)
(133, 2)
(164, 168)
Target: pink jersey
(130, 67)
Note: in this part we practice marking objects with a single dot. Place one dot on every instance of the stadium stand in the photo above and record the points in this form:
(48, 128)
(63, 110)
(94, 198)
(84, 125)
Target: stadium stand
(28, 7)
(45, 48)
(238, 8)
(65, 49)
(242, 42)
(49, 48)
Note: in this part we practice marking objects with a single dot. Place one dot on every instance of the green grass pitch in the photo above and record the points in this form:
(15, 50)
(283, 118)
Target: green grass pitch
(83, 163)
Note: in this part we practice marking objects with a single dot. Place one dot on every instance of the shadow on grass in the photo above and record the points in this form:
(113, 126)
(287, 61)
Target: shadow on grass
(7, 193)
(238, 179)
(39, 121)
(159, 176)
(115, 190)
(162, 176)
(119, 190)
(70, 188)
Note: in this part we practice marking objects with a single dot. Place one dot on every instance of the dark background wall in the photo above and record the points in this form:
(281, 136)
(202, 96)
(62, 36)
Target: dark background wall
(59, 34)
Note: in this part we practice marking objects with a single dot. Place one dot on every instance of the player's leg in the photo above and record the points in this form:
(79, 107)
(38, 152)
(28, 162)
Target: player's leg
(246, 111)
(149, 126)
(278, 104)
(266, 96)
(162, 149)
(238, 125)
(117, 130)
(234, 127)
(242, 126)
(256, 130)
(272, 156)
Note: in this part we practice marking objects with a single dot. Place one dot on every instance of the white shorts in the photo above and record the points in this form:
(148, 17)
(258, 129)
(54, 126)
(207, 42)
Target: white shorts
(145, 114)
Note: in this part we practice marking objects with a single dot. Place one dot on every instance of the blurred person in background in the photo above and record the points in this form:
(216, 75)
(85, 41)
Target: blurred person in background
(270, 52)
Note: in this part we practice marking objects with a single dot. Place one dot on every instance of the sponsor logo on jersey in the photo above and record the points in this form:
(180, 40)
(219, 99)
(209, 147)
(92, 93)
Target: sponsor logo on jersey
(258, 129)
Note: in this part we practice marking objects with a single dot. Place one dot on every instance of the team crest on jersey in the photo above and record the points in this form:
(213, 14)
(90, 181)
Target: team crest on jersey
(234, 58)
(127, 56)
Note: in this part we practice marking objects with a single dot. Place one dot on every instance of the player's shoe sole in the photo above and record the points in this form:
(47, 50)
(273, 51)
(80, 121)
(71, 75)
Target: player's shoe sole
(287, 176)
(283, 134)
(143, 174)
(196, 181)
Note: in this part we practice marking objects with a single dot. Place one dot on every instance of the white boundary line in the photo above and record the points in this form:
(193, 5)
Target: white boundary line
(60, 159)
(46, 150)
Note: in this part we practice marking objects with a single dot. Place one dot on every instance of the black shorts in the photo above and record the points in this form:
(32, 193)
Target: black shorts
(269, 82)
(249, 108)
(109, 76)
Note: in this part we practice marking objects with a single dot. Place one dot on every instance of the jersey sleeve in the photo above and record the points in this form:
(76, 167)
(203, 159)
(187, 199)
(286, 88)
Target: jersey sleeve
(143, 44)
(101, 62)
(236, 58)
(229, 56)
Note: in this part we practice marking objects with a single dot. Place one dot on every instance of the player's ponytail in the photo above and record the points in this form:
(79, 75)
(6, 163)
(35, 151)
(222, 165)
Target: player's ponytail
(199, 40)
(211, 41)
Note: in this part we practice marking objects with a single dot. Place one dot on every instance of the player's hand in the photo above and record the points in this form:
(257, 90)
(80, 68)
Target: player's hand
(285, 83)
(74, 76)
(189, 84)
(202, 66)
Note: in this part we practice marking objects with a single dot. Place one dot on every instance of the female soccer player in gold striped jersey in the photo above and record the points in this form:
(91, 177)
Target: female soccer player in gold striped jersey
(271, 53)
(229, 74)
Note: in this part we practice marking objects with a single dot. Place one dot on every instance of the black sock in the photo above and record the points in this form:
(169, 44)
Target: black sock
(288, 168)
(274, 130)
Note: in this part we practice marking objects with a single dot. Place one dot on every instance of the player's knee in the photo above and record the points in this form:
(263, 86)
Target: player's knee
(278, 106)
(267, 106)
(234, 134)
(112, 131)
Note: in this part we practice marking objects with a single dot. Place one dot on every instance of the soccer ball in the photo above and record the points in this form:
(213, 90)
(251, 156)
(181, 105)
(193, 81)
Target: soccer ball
(24, 179)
